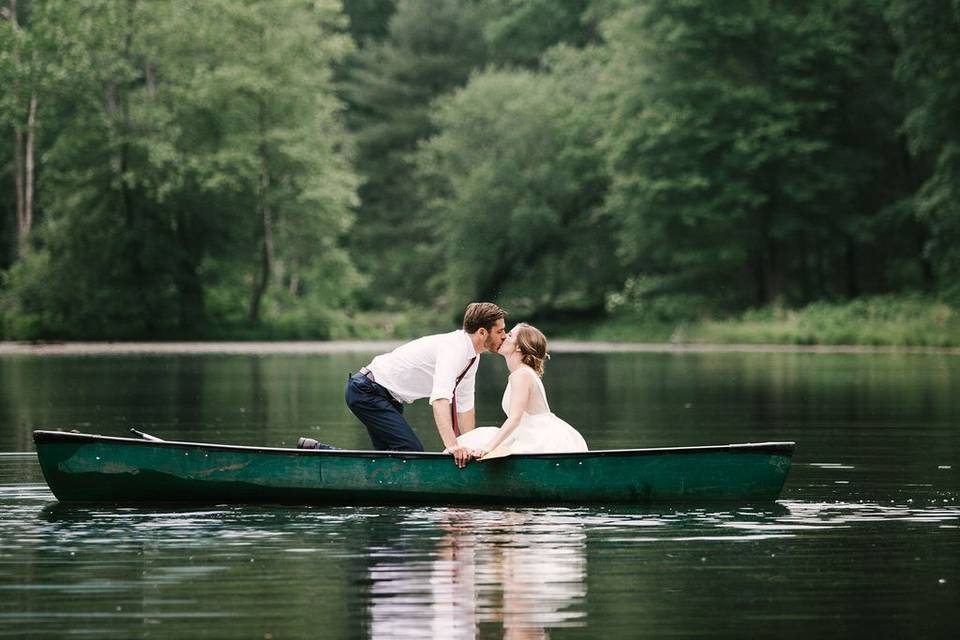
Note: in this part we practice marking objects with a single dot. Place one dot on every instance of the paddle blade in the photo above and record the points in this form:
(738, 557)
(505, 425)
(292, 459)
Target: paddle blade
(500, 452)
(146, 436)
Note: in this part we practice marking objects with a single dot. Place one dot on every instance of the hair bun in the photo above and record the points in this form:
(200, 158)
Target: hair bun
(533, 346)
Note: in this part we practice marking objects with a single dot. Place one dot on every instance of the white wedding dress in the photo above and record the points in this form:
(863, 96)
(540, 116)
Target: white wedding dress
(539, 431)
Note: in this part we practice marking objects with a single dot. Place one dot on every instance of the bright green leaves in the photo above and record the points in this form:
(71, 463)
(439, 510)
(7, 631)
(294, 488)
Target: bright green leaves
(180, 124)
(516, 181)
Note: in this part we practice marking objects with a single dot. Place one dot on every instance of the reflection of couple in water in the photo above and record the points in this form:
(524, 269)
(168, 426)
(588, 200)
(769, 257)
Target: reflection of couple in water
(524, 571)
(442, 368)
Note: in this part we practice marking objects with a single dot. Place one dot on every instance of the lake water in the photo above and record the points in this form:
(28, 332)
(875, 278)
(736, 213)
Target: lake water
(863, 543)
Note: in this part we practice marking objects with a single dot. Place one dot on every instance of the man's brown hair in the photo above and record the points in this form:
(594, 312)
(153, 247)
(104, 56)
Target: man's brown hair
(482, 315)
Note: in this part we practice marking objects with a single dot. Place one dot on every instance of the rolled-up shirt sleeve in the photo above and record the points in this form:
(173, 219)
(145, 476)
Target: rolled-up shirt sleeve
(449, 365)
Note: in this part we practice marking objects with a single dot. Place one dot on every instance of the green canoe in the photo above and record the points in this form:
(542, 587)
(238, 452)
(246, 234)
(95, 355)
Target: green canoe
(91, 468)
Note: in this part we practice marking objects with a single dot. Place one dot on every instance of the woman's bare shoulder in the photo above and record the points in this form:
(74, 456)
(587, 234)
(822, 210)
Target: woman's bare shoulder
(521, 377)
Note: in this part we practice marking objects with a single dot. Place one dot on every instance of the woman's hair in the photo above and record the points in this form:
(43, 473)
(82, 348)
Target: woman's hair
(533, 346)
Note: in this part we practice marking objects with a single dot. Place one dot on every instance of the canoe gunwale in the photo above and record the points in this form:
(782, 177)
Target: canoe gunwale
(46, 436)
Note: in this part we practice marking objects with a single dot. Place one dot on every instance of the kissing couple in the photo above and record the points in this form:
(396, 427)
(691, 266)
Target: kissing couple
(443, 368)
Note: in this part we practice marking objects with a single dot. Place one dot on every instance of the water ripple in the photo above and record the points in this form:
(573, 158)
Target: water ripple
(445, 571)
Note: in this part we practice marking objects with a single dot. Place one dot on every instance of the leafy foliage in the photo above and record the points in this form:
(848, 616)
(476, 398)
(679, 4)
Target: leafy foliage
(181, 121)
(515, 181)
(929, 66)
(518, 32)
(430, 49)
(739, 162)
(240, 168)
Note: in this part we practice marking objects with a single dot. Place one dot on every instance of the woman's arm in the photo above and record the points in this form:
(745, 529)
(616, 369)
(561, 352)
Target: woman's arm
(519, 399)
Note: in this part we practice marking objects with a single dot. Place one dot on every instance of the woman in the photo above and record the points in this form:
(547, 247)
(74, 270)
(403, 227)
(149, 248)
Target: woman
(530, 426)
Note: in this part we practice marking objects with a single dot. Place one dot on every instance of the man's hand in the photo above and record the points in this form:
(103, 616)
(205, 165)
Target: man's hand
(462, 455)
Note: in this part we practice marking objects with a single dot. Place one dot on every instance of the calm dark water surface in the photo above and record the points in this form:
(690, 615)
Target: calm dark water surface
(864, 542)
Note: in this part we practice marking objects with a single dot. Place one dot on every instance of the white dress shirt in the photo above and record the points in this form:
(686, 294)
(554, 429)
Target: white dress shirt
(428, 368)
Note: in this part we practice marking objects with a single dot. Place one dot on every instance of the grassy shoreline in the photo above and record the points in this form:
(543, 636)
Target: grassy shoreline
(306, 348)
(883, 321)
(911, 322)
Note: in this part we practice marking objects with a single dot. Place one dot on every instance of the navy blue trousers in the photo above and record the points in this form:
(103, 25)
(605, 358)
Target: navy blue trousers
(381, 414)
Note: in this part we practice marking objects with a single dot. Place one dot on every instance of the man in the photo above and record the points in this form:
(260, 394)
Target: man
(440, 367)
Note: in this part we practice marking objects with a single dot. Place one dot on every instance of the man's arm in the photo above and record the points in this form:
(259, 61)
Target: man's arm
(467, 420)
(441, 415)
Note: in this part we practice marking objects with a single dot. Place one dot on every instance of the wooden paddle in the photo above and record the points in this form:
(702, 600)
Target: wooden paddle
(502, 451)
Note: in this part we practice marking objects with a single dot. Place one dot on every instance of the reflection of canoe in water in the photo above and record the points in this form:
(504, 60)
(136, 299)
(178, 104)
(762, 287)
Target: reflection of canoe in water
(92, 468)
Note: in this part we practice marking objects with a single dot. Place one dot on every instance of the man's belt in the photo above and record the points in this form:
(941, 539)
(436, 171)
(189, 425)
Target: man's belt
(369, 374)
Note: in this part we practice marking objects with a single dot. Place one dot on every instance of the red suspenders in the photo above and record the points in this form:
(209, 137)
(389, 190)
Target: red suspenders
(453, 402)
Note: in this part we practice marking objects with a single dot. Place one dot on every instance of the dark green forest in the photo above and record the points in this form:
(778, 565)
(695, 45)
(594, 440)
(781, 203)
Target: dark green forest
(320, 169)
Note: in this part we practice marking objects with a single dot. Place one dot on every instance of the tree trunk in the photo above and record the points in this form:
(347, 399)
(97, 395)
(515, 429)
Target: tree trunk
(492, 285)
(806, 290)
(27, 220)
(129, 206)
(766, 265)
(850, 259)
(822, 286)
(912, 183)
(773, 269)
(760, 293)
(124, 104)
(294, 286)
(191, 303)
(150, 73)
(18, 137)
(927, 275)
(265, 221)
(18, 175)
(23, 175)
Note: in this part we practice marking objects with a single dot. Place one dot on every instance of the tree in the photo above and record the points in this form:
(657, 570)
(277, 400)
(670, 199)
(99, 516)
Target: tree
(515, 180)
(200, 150)
(369, 19)
(929, 68)
(277, 105)
(21, 69)
(431, 48)
(741, 166)
(518, 32)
